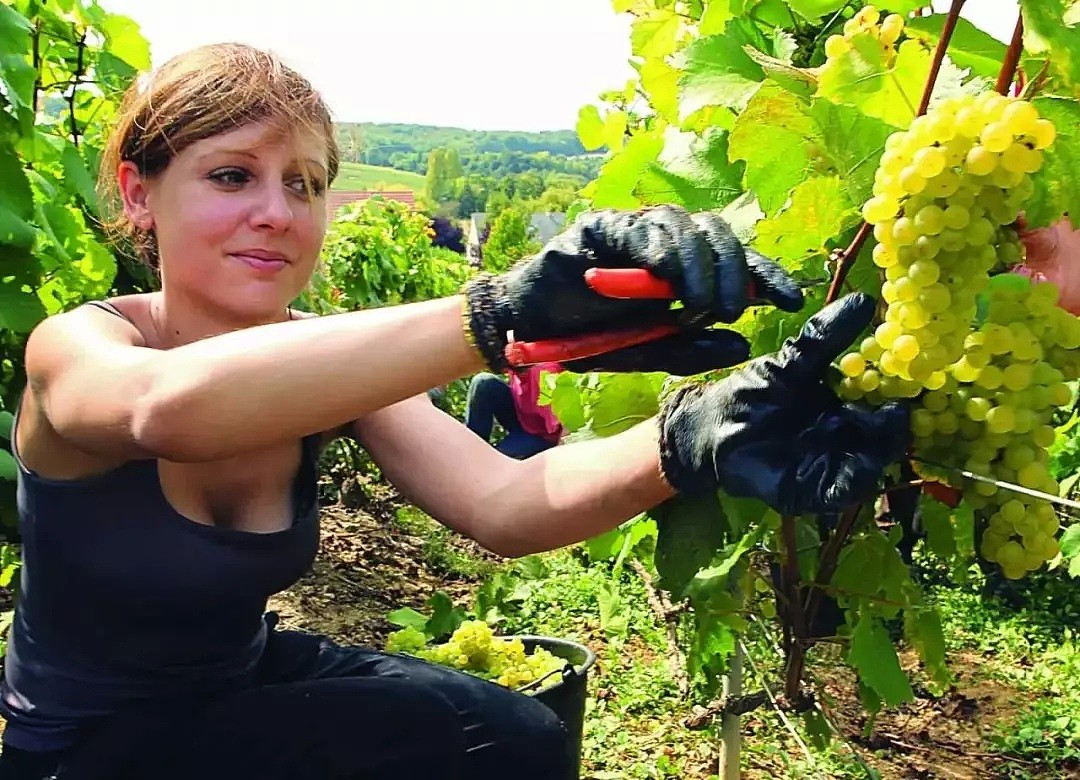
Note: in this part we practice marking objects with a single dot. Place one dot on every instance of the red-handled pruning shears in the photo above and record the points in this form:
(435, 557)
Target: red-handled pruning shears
(613, 283)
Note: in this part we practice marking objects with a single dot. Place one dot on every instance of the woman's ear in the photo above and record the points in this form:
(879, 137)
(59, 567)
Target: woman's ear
(134, 192)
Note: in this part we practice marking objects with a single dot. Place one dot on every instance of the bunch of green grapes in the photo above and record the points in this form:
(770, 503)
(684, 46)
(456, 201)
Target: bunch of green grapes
(865, 23)
(475, 649)
(946, 194)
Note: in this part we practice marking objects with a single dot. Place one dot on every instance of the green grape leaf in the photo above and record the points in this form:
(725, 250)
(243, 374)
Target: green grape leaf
(798, 81)
(1070, 549)
(661, 83)
(775, 137)
(655, 35)
(20, 309)
(445, 616)
(614, 188)
(9, 469)
(7, 422)
(566, 402)
(719, 72)
(77, 176)
(590, 127)
(923, 630)
(817, 729)
(1052, 33)
(969, 47)
(407, 617)
(1057, 183)
(819, 210)
(744, 514)
(936, 518)
(16, 202)
(689, 532)
(16, 72)
(874, 657)
(692, 171)
(626, 400)
(711, 647)
(813, 10)
(619, 543)
(853, 144)
(861, 77)
(717, 578)
(124, 40)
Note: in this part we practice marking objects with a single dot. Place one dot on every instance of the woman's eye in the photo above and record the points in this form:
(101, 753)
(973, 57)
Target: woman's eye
(317, 187)
(230, 176)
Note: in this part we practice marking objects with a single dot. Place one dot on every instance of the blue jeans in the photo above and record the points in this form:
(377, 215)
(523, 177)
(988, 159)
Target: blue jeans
(489, 401)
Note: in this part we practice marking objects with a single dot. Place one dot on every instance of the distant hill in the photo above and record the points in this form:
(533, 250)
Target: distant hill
(499, 152)
(376, 143)
(357, 176)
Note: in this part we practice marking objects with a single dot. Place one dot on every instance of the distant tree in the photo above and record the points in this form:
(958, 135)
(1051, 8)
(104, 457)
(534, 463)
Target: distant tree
(497, 202)
(509, 239)
(443, 172)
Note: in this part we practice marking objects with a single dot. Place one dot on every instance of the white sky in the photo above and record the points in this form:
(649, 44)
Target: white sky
(484, 64)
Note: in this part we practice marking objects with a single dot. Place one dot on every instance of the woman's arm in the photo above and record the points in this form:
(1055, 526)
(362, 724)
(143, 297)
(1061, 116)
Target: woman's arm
(225, 395)
(513, 508)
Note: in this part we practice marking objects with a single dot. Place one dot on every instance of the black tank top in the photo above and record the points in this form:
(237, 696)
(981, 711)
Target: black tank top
(124, 601)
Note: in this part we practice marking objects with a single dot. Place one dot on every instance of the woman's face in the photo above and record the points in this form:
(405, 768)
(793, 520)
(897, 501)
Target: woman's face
(236, 230)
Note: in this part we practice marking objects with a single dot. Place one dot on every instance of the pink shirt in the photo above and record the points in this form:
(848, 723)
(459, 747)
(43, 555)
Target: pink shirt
(525, 390)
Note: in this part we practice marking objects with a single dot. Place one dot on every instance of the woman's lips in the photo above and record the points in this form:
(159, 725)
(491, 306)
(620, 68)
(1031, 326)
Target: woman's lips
(262, 262)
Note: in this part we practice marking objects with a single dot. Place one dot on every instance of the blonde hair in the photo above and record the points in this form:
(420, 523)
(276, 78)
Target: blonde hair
(201, 93)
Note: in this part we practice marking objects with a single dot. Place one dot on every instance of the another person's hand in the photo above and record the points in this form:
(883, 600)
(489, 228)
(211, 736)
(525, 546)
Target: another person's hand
(1053, 254)
(774, 430)
(546, 297)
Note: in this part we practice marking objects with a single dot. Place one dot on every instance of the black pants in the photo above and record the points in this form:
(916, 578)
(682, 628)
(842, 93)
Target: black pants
(324, 712)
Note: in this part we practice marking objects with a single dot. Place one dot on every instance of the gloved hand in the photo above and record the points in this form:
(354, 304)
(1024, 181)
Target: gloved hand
(545, 296)
(774, 430)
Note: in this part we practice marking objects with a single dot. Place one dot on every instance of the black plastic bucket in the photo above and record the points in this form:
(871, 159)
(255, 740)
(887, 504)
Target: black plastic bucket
(566, 697)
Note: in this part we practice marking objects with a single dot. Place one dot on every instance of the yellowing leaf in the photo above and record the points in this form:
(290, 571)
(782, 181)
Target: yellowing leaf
(615, 186)
(590, 127)
(819, 212)
(774, 136)
(717, 14)
(655, 35)
(661, 83)
(862, 78)
(614, 131)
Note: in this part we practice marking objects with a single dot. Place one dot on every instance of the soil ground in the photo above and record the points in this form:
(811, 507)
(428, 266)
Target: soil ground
(369, 565)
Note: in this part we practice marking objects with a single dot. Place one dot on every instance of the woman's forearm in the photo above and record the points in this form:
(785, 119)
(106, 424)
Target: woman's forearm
(241, 390)
(573, 492)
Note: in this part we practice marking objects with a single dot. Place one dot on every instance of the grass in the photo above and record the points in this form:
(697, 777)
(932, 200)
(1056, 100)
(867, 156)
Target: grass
(1037, 650)
(443, 549)
(357, 176)
(634, 715)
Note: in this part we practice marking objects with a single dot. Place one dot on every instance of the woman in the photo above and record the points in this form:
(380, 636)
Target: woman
(168, 444)
(515, 404)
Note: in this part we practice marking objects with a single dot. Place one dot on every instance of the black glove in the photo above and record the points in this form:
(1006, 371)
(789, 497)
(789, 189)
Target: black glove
(774, 430)
(545, 296)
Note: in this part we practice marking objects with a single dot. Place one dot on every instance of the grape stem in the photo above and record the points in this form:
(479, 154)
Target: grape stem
(1012, 58)
(849, 255)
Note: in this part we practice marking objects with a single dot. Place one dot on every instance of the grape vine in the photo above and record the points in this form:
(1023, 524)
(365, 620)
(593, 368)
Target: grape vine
(64, 68)
(890, 153)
